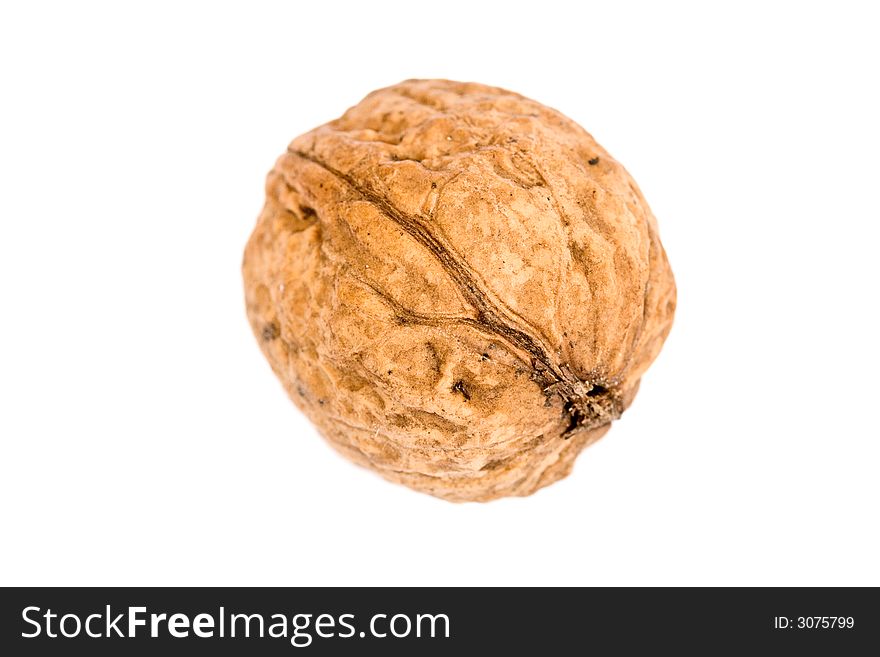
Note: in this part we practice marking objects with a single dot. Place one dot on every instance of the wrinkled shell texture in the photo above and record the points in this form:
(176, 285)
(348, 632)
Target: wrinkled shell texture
(458, 286)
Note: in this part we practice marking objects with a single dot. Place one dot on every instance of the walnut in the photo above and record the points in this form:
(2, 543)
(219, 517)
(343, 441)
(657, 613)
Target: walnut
(458, 286)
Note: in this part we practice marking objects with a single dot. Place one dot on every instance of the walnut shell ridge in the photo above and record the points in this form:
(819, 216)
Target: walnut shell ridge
(458, 286)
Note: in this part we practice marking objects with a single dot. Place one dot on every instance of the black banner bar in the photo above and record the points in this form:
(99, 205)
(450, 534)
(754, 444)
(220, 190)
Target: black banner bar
(407, 621)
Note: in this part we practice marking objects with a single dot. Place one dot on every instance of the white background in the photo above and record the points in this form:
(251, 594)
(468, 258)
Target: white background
(146, 441)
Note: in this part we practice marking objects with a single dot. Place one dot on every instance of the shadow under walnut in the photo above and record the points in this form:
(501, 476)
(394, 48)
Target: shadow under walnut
(458, 286)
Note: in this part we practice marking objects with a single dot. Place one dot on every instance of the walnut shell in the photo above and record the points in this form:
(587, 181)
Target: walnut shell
(458, 286)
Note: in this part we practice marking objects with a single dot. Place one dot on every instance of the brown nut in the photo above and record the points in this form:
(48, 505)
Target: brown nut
(458, 286)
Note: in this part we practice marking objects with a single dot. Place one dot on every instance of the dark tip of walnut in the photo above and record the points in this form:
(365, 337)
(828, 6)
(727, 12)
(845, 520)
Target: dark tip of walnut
(593, 161)
(595, 408)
